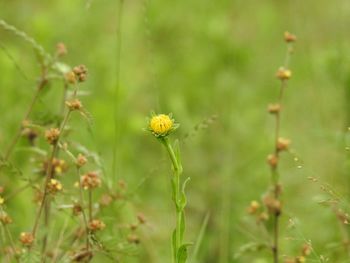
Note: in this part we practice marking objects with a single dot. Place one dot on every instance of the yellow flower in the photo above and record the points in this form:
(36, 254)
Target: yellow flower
(161, 124)
(2, 200)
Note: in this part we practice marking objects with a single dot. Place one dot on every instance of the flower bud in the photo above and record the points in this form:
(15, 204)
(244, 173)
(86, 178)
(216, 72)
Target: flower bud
(283, 73)
(52, 135)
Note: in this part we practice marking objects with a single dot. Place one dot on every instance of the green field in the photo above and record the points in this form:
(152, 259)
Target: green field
(212, 64)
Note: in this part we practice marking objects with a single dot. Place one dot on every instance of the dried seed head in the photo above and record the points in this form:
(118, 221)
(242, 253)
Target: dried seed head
(81, 160)
(96, 225)
(61, 49)
(30, 134)
(272, 204)
(132, 238)
(81, 69)
(26, 238)
(52, 135)
(274, 108)
(54, 186)
(253, 207)
(90, 180)
(272, 160)
(77, 209)
(5, 218)
(2, 189)
(283, 73)
(80, 72)
(141, 218)
(74, 104)
(288, 37)
(283, 144)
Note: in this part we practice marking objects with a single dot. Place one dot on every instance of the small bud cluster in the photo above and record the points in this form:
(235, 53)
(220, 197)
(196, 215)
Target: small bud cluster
(283, 144)
(52, 135)
(274, 108)
(26, 238)
(272, 204)
(5, 218)
(54, 186)
(59, 166)
(96, 225)
(77, 209)
(272, 160)
(256, 210)
(288, 37)
(79, 73)
(90, 180)
(74, 104)
(283, 73)
(81, 160)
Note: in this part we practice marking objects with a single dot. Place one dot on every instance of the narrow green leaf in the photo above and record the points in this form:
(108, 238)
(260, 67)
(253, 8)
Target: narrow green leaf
(173, 244)
(182, 226)
(200, 238)
(182, 253)
(183, 200)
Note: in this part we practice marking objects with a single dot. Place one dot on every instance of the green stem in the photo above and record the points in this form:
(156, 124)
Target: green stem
(177, 196)
(171, 152)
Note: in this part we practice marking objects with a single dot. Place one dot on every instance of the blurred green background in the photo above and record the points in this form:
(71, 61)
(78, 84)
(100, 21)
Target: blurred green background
(196, 59)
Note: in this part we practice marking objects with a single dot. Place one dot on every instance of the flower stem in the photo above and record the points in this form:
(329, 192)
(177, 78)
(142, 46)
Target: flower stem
(176, 193)
(274, 169)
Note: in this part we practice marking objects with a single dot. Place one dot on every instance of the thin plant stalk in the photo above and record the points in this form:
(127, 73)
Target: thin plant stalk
(50, 169)
(274, 169)
(81, 197)
(177, 197)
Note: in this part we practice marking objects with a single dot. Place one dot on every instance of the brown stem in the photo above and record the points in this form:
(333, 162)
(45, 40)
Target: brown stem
(49, 173)
(274, 169)
(81, 196)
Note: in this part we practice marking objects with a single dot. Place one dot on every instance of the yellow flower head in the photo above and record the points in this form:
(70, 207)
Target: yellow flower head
(161, 124)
